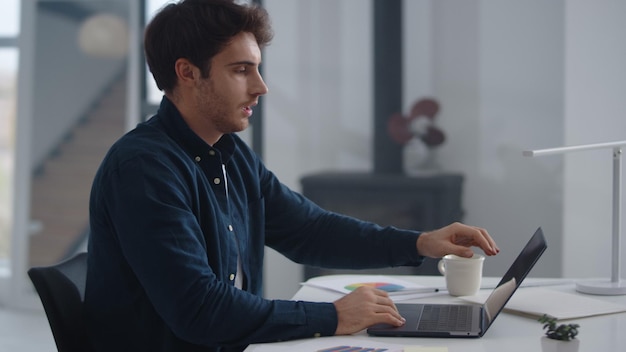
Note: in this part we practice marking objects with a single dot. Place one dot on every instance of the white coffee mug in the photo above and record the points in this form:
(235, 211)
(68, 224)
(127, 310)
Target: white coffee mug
(463, 275)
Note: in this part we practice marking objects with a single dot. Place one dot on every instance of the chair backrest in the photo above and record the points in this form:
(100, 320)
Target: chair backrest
(61, 288)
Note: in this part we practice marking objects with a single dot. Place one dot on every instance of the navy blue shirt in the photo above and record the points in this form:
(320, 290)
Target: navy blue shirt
(167, 228)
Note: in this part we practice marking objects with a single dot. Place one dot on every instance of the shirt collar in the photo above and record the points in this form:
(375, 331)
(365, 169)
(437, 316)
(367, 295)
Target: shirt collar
(177, 128)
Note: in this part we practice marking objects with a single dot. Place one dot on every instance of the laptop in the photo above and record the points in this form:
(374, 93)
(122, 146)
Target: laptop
(465, 320)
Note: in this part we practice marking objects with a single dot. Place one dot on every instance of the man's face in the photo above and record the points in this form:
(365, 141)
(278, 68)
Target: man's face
(225, 99)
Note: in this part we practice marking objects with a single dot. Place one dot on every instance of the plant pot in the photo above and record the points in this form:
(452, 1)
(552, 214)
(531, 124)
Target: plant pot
(550, 345)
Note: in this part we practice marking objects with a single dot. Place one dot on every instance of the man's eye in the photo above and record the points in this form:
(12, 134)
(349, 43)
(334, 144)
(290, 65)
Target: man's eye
(241, 70)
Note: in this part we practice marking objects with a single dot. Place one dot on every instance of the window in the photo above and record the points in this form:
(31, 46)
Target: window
(9, 30)
(9, 18)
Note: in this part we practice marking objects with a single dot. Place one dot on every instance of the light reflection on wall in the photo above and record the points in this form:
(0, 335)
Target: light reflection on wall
(9, 29)
(8, 73)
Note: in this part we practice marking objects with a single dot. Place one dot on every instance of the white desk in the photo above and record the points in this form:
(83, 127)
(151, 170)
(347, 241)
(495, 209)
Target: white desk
(508, 333)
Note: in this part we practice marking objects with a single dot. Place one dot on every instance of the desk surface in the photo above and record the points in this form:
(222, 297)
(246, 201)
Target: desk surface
(509, 332)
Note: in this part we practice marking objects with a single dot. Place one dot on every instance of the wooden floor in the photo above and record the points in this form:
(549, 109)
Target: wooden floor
(60, 189)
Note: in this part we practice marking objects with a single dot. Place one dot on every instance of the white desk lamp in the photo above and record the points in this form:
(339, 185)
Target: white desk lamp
(616, 286)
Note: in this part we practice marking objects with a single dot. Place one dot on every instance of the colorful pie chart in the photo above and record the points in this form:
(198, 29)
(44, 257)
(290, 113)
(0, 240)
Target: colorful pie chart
(385, 286)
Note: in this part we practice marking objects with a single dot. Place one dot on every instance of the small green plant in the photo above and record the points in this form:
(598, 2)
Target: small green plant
(563, 332)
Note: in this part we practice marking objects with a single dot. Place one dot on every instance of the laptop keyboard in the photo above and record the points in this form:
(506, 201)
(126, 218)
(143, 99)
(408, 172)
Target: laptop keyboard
(445, 318)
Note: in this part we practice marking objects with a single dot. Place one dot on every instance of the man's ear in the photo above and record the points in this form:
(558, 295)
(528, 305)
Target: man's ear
(186, 72)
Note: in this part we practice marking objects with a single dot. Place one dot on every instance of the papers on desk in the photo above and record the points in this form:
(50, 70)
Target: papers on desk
(530, 300)
(340, 344)
(326, 343)
(536, 302)
(397, 289)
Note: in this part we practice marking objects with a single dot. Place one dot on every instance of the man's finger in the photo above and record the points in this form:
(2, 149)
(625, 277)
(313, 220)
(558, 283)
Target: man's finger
(485, 242)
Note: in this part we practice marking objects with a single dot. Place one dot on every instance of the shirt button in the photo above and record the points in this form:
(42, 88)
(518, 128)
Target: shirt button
(232, 277)
(217, 180)
(230, 228)
(211, 152)
(198, 158)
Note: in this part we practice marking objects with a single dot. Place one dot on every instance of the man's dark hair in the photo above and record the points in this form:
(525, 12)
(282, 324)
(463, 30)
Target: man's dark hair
(198, 30)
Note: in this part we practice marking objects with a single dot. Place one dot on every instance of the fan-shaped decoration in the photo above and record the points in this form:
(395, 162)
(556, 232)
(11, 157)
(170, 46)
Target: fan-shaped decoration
(418, 134)
(419, 123)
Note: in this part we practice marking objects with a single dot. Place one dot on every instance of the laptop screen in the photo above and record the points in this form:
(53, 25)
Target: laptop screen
(514, 276)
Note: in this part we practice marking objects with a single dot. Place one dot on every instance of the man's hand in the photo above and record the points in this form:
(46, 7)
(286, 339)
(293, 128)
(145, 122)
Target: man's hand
(455, 239)
(365, 307)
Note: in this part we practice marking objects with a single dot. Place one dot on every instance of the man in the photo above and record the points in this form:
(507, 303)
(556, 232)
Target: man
(181, 209)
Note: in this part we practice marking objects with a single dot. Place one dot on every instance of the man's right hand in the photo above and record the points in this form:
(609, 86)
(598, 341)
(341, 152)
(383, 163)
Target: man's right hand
(363, 308)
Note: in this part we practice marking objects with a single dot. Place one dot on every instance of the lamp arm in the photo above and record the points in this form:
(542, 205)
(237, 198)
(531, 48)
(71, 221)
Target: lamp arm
(575, 148)
(617, 194)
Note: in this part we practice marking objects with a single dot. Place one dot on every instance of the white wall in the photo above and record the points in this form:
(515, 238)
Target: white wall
(499, 77)
(595, 111)
(318, 110)
(495, 66)
(510, 75)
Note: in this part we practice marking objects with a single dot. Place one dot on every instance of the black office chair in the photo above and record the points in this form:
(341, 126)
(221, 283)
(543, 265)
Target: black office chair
(61, 288)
